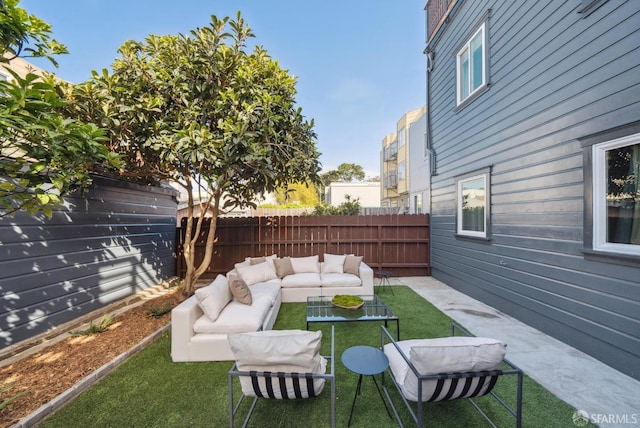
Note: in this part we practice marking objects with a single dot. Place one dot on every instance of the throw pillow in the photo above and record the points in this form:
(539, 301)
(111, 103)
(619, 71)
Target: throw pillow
(257, 260)
(283, 267)
(457, 354)
(254, 274)
(352, 264)
(214, 297)
(309, 264)
(333, 263)
(240, 290)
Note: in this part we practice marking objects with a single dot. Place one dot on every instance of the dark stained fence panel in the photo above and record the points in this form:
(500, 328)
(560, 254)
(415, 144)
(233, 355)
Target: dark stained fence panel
(398, 243)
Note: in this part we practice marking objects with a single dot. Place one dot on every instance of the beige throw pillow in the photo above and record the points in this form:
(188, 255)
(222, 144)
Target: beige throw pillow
(240, 289)
(352, 264)
(283, 267)
(214, 297)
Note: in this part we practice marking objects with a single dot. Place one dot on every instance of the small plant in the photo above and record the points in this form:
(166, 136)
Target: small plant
(6, 387)
(158, 312)
(101, 326)
(346, 301)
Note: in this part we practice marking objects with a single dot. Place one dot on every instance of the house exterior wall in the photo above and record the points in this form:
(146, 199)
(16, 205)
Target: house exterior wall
(419, 167)
(556, 77)
(103, 246)
(368, 193)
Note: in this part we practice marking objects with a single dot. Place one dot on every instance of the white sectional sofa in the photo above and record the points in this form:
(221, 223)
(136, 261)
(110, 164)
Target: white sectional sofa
(248, 299)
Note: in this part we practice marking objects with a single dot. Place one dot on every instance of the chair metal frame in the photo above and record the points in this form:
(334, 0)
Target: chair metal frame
(417, 415)
(279, 377)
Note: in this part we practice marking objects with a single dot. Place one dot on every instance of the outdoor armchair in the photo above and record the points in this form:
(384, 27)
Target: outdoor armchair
(280, 364)
(430, 370)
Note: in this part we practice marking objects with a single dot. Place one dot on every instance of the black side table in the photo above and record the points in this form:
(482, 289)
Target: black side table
(384, 276)
(365, 360)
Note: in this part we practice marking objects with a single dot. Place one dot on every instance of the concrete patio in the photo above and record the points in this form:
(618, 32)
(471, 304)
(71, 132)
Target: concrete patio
(609, 397)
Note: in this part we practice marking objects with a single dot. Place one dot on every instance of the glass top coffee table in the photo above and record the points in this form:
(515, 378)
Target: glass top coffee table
(320, 309)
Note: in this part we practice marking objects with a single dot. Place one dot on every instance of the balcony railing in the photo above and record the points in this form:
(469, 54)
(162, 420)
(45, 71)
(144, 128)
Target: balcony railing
(391, 152)
(391, 180)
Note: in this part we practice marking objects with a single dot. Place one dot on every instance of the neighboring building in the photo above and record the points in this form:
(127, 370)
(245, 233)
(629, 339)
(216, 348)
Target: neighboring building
(368, 193)
(534, 122)
(19, 66)
(395, 162)
(419, 169)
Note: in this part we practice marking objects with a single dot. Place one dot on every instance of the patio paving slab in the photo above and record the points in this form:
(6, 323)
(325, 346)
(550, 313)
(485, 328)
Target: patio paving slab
(608, 396)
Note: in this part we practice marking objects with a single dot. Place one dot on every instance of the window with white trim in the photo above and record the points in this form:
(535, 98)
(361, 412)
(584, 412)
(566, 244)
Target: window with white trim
(472, 193)
(471, 66)
(616, 195)
(401, 137)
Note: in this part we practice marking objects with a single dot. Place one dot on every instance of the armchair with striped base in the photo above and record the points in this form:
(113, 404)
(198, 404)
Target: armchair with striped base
(280, 365)
(448, 368)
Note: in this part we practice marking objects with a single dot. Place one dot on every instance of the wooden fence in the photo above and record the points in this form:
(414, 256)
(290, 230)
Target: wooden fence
(397, 243)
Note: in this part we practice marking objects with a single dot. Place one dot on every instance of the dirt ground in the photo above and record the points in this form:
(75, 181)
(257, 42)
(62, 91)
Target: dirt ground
(36, 379)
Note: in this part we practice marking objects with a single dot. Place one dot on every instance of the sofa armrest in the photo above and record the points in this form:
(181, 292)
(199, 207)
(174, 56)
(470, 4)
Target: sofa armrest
(366, 276)
(183, 317)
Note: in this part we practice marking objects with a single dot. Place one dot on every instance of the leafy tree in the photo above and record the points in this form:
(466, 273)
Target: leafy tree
(203, 111)
(42, 155)
(348, 207)
(305, 194)
(345, 173)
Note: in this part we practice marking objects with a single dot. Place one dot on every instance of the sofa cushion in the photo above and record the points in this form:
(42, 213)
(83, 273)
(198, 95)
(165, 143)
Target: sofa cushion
(239, 289)
(253, 274)
(340, 280)
(352, 264)
(279, 351)
(270, 290)
(333, 263)
(214, 297)
(302, 280)
(236, 317)
(283, 267)
(309, 264)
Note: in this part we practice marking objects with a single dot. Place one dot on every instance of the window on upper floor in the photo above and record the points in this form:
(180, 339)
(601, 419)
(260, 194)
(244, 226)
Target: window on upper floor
(401, 137)
(402, 166)
(472, 197)
(616, 195)
(471, 65)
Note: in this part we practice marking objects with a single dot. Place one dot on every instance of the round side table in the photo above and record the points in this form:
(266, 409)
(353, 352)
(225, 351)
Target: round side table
(384, 276)
(369, 361)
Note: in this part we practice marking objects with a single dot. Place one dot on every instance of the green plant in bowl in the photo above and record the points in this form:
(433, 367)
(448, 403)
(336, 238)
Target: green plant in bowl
(347, 301)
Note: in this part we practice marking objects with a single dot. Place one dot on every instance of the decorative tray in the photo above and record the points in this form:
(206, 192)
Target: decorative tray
(345, 301)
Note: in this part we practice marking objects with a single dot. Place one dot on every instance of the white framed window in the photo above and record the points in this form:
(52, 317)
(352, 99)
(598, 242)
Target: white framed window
(471, 65)
(616, 195)
(472, 212)
(402, 170)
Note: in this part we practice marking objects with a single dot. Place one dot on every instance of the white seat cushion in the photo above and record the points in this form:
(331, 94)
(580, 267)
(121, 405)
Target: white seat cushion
(340, 280)
(302, 280)
(236, 317)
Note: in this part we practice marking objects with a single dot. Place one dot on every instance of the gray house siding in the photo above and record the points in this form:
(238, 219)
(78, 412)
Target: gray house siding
(108, 244)
(555, 78)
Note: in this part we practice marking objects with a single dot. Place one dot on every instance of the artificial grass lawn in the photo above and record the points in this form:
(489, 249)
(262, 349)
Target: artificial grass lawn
(149, 390)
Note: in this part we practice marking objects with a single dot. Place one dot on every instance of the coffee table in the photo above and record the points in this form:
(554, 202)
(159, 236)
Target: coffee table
(320, 309)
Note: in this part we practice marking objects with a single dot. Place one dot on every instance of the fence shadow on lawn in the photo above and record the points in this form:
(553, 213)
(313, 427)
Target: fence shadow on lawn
(149, 390)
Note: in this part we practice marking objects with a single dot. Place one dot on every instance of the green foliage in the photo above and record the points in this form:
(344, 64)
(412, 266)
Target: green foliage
(43, 155)
(301, 194)
(101, 326)
(348, 207)
(204, 112)
(158, 312)
(345, 173)
(24, 34)
(4, 387)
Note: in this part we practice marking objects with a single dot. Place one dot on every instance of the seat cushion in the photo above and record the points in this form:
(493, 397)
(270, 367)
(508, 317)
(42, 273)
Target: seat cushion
(302, 280)
(340, 280)
(286, 351)
(236, 317)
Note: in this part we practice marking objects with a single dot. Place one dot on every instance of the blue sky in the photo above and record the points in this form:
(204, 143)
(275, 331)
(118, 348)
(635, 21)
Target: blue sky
(359, 63)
